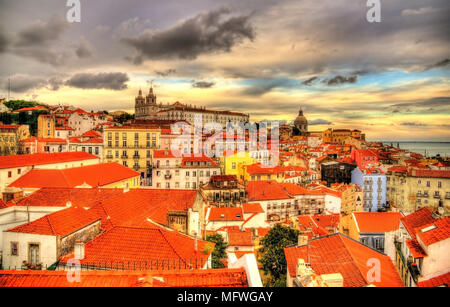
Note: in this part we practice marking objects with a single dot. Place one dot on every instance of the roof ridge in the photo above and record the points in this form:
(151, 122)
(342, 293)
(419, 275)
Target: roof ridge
(50, 224)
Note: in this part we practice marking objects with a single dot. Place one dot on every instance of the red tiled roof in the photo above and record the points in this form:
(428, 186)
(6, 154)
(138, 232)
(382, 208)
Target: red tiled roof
(254, 169)
(252, 208)
(91, 133)
(419, 218)
(340, 254)
(266, 190)
(398, 169)
(167, 154)
(225, 214)
(140, 246)
(58, 197)
(415, 249)
(144, 204)
(60, 223)
(377, 221)
(160, 278)
(441, 280)
(430, 173)
(434, 232)
(96, 175)
(43, 158)
(240, 238)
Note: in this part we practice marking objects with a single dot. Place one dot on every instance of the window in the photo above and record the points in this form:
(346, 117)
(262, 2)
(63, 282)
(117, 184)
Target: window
(14, 249)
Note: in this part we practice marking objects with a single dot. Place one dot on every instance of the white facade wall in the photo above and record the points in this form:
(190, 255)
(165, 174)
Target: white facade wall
(47, 249)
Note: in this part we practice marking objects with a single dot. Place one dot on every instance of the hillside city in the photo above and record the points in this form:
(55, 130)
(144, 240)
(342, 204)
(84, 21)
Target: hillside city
(178, 195)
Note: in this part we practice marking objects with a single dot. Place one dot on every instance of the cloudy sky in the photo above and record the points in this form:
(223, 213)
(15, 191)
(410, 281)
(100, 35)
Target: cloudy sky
(264, 57)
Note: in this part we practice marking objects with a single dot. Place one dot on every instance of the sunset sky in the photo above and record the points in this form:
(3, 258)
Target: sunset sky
(263, 57)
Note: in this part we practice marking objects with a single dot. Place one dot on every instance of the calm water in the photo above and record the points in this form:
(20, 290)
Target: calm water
(431, 148)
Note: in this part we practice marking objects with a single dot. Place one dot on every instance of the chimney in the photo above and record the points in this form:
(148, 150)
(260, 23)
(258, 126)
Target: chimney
(79, 250)
(302, 240)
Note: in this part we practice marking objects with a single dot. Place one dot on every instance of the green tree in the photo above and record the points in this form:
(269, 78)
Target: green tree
(273, 259)
(219, 252)
(19, 104)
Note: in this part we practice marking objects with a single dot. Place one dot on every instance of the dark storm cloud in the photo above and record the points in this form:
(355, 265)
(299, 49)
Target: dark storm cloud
(206, 33)
(112, 81)
(203, 84)
(309, 81)
(42, 32)
(319, 122)
(439, 64)
(23, 83)
(262, 87)
(84, 49)
(4, 41)
(338, 80)
(165, 73)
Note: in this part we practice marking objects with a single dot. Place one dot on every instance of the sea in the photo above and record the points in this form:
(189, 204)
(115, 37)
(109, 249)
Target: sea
(430, 149)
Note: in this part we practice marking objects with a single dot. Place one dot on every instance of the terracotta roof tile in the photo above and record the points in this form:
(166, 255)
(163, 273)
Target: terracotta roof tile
(96, 175)
(340, 254)
(377, 222)
(44, 158)
(439, 281)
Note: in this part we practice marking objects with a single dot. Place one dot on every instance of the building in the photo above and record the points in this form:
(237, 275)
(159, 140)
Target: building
(340, 136)
(365, 158)
(11, 137)
(132, 146)
(147, 108)
(339, 254)
(373, 184)
(231, 162)
(107, 175)
(336, 172)
(14, 167)
(46, 126)
(181, 171)
(301, 123)
(370, 229)
(224, 191)
(257, 172)
(422, 245)
(35, 145)
(412, 189)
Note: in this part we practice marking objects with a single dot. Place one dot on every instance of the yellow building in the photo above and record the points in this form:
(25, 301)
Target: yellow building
(255, 172)
(341, 136)
(411, 190)
(11, 137)
(230, 164)
(46, 126)
(132, 146)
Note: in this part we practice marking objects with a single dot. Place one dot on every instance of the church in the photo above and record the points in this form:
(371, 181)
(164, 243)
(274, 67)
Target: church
(147, 108)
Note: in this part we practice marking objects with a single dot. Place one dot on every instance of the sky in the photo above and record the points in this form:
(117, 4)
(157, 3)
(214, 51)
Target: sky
(263, 57)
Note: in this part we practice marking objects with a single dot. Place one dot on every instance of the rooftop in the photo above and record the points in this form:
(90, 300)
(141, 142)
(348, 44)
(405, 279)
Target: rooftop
(96, 175)
(338, 253)
(160, 278)
(43, 158)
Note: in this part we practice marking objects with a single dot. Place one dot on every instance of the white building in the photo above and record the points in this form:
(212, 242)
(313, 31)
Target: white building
(184, 172)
